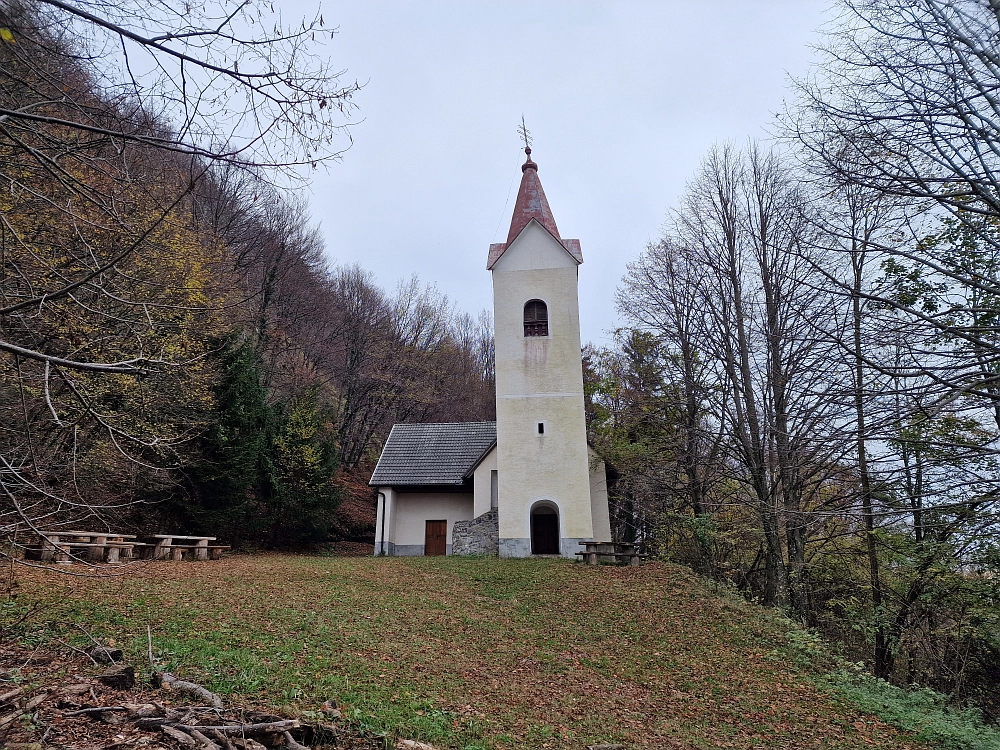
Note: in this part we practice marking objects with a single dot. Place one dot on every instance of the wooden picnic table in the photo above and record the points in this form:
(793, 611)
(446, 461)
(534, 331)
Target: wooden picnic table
(164, 546)
(65, 546)
(613, 551)
(100, 546)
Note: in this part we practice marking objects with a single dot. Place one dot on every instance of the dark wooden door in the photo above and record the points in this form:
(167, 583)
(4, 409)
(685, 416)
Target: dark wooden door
(436, 538)
(545, 534)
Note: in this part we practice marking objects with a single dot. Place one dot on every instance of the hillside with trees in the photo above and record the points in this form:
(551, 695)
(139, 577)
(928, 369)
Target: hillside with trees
(803, 397)
(174, 346)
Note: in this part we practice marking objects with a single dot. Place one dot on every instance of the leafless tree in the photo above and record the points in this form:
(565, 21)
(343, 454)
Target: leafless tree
(853, 224)
(231, 83)
(901, 117)
(745, 223)
(662, 293)
(113, 119)
(904, 104)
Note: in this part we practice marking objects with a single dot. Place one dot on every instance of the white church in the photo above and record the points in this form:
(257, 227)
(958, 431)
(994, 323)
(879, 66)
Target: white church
(527, 484)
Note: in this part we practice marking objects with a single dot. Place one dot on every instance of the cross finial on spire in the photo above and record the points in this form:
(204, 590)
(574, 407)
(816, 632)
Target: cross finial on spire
(525, 136)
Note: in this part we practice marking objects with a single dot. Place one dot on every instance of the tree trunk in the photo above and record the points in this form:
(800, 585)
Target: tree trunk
(883, 654)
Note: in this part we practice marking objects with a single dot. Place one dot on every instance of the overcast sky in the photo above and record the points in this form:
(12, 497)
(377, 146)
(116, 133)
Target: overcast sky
(623, 99)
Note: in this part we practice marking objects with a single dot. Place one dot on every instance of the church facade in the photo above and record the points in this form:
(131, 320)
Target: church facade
(527, 484)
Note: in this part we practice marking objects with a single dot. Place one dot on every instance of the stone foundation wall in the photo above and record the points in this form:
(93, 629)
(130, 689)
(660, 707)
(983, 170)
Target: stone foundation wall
(480, 536)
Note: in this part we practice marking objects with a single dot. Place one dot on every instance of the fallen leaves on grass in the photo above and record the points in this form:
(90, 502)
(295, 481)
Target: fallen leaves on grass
(462, 652)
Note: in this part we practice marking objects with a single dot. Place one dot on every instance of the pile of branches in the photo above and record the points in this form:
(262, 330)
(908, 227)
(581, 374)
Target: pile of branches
(90, 698)
(111, 708)
(214, 728)
(210, 726)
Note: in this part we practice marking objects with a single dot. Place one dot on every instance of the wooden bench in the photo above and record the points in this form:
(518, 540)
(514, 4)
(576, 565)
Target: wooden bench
(627, 558)
(104, 546)
(177, 552)
(100, 546)
(156, 551)
(117, 551)
(143, 550)
(166, 546)
(596, 552)
(62, 552)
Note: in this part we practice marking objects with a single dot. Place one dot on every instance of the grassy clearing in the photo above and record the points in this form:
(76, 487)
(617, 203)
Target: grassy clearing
(475, 653)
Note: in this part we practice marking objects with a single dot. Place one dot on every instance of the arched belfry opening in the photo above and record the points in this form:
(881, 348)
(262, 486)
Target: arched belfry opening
(544, 529)
(536, 318)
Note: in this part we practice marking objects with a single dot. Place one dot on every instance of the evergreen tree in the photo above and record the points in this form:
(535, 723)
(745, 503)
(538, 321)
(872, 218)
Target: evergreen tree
(237, 468)
(267, 473)
(303, 498)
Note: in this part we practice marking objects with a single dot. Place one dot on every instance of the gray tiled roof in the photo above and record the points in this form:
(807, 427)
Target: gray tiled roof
(442, 453)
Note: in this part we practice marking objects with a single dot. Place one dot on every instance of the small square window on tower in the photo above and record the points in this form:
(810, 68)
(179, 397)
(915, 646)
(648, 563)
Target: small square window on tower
(541, 428)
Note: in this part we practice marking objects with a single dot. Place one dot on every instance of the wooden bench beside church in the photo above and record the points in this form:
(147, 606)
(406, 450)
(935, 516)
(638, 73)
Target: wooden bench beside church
(613, 552)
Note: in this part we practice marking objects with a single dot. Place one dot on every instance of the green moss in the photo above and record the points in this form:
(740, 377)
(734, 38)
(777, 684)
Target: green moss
(919, 710)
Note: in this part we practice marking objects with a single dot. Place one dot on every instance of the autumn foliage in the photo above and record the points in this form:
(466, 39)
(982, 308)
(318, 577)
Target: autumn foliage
(175, 349)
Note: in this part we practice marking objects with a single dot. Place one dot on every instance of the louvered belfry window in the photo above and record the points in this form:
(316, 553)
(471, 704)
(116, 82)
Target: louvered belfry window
(536, 318)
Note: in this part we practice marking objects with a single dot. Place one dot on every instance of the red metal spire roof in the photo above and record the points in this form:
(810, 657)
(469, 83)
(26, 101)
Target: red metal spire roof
(531, 202)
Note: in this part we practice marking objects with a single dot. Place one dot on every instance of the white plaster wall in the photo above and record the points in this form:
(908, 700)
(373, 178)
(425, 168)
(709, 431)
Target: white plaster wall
(535, 467)
(412, 509)
(599, 498)
(390, 498)
(481, 483)
(540, 379)
(537, 364)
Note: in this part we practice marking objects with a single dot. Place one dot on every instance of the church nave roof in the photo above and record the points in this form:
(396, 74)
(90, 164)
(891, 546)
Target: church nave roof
(433, 453)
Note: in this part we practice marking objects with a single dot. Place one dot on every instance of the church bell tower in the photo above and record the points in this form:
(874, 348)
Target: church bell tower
(544, 479)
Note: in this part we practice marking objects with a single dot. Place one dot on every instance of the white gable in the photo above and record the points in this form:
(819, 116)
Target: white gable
(534, 248)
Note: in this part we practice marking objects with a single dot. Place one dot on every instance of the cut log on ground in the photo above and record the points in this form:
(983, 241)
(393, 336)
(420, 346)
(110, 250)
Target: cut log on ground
(271, 726)
(223, 740)
(10, 695)
(203, 740)
(10, 718)
(245, 743)
(169, 682)
(185, 739)
(291, 744)
(119, 677)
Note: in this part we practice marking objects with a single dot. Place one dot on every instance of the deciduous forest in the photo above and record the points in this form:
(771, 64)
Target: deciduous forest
(174, 347)
(802, 399)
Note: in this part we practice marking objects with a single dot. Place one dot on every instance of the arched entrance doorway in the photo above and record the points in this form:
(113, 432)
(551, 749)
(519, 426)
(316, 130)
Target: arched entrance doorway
(544, 530)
